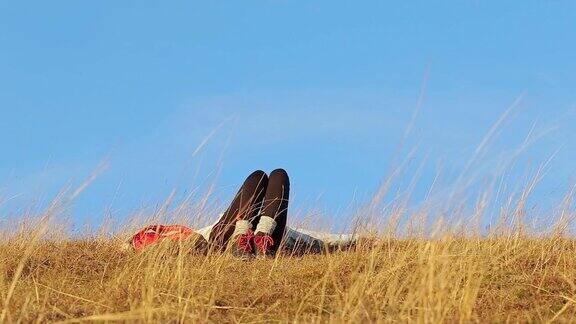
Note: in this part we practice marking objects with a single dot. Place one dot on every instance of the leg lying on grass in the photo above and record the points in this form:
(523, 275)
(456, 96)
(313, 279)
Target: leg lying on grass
(271, 223)
(236, 222)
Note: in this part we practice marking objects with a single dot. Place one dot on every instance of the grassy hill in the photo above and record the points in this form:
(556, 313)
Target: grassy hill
(444, 279)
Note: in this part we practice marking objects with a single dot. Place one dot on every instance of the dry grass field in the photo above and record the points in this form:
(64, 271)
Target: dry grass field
(447, 278)
(444, 280)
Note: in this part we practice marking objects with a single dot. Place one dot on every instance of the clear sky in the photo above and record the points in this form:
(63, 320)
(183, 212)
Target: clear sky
(324, 89)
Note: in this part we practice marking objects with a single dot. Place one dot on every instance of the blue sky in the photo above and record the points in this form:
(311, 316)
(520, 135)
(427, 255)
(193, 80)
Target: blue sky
(324, 89)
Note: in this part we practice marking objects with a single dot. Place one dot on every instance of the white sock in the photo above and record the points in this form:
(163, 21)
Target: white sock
(266, 225)
(242, 227)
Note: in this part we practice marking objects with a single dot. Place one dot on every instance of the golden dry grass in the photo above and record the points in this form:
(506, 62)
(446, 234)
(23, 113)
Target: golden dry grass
(447, 279)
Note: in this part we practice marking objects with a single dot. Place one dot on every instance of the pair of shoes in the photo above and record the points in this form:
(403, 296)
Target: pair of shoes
(248, 245)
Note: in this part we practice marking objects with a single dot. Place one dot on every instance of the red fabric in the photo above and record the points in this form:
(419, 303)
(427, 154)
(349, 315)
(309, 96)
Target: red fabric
(154, 234)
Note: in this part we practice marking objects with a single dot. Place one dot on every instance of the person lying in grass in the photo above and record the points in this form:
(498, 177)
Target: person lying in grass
(253, 225)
